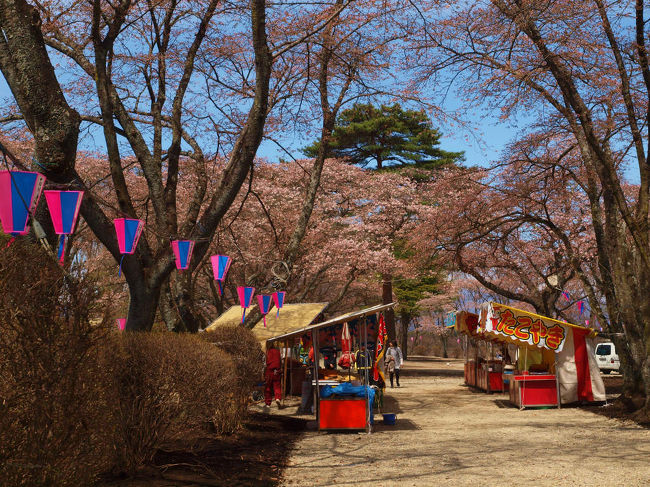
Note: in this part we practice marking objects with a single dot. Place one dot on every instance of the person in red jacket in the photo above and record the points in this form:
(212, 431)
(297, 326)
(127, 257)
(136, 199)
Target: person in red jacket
(273, 384)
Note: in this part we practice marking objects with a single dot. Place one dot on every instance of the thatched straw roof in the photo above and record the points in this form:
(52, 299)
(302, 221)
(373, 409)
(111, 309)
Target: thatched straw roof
(292, 317)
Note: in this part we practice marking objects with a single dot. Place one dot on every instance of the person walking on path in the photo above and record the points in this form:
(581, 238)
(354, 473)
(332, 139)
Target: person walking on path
(393, 361)
(272, 378)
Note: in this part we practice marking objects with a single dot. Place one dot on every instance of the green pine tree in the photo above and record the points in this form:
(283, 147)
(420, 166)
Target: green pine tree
(387, 136)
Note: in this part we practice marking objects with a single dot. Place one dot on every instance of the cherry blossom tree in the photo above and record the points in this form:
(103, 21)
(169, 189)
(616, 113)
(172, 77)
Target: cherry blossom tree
(143, 73)
(581, 67)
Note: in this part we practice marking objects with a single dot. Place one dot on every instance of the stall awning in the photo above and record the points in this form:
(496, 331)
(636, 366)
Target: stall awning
(334, 321)
(291, 317)
(502, 323)
(526, 328)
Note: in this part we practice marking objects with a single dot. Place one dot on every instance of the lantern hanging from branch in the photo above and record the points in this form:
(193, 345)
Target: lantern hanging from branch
(64, 210)
(128, 233)
(19, 195)
(121, 324)
(183, 252)
(278, 300)
(220, 266)
(264, 302)
(245, 299)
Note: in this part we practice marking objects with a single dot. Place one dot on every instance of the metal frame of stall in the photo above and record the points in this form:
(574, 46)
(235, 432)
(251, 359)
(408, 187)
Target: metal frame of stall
(314, 329)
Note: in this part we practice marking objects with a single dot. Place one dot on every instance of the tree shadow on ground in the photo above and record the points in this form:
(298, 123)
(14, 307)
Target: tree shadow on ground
(441, 371)
(254, 456)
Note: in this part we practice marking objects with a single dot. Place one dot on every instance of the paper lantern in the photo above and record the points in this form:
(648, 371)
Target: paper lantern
(64, 210)
(245, 299)
(581, 307)
(128, 233)
(19, 195)
(183, 252)
(264, 302)
(278, 299)
(121, 324)
(220, 266)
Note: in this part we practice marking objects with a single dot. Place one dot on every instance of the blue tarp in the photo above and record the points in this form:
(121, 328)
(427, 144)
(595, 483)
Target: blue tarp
(347, 389)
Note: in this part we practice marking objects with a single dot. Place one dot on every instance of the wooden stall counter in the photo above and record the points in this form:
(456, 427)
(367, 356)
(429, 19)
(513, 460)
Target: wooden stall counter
(470, 373)
(490, 376)
(534, 390)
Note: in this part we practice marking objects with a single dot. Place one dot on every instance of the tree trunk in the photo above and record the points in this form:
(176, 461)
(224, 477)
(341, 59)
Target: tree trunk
(405, 320)
(26, 67)
(387, 298)
(182, 291)
(142, 306)
(166, 308)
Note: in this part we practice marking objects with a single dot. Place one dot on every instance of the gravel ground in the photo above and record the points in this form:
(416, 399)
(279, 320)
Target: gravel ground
(448, 435)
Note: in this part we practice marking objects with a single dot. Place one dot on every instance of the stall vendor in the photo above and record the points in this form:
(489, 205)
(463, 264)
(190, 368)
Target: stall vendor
(329, 357)
(364, 362)
(272, 376)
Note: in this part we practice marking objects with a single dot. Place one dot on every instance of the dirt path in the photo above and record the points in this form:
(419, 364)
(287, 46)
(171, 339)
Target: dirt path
(448, 435)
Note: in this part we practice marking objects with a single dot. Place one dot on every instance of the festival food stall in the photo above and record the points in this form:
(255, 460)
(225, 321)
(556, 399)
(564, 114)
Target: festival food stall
(342, 400)
(555, 365)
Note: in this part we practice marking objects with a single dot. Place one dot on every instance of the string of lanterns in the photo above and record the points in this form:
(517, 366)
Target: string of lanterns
(20, 192)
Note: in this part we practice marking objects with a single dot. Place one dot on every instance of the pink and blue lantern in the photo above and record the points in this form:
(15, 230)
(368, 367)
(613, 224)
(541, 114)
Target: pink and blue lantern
(19, 195)
(264, 302)
(121, 324)
(64, 209)
(128, 233)
(278, 299)
(581, 307)
(245, 299)
(183, 252)
(220, 266)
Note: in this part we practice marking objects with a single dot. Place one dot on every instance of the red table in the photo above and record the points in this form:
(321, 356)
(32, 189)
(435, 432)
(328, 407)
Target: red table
(534, 390)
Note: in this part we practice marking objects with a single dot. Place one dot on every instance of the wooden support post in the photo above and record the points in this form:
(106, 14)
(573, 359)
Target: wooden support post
(284, 375)
(314, 341)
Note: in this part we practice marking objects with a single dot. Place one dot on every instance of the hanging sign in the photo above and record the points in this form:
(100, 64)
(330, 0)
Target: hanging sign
(183, 252)
(19, 195)
(525, 327)
(128, 233)
(278, 300)
(264, 302)
(64, 210)
(220, 266)
(245, 299)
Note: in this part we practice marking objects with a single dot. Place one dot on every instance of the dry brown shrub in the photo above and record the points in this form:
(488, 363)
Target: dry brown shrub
(167, 386)
(77, 400)
(247, 356)
(52, 404)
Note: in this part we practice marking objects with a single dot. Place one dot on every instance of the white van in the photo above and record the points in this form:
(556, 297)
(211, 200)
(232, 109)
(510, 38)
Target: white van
(607, 358)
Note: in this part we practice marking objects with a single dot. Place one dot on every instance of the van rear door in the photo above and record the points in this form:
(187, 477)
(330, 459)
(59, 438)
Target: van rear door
(603, 350)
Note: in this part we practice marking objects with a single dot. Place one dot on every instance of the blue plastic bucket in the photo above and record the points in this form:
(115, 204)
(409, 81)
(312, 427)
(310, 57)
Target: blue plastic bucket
(390, 419)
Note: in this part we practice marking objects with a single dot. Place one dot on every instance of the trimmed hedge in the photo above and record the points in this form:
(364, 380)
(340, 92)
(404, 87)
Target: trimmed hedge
(78, 401)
